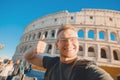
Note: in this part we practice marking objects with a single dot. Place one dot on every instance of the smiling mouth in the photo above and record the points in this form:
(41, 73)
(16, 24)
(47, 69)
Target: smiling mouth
(68, 49)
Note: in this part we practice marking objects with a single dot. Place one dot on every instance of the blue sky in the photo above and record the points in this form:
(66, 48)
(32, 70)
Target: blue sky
(15, 15)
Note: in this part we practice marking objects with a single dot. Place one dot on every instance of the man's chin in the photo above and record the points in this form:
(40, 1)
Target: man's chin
(69, 55)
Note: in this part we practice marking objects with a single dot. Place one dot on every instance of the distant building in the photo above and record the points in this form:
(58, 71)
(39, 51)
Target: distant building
(98, 32)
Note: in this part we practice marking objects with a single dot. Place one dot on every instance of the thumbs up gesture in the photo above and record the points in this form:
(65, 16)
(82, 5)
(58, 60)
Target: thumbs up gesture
(41, 45)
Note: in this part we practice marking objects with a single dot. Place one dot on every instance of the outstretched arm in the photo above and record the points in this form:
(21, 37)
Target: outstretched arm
(34, 55)
(96, 73)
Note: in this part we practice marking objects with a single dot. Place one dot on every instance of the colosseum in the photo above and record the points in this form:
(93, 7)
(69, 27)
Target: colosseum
(98, 33)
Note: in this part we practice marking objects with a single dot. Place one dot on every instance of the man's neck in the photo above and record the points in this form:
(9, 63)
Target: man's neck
(68, 60)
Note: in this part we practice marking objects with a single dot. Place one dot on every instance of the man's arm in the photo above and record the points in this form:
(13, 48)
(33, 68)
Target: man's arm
(96, 73)
(34, 55)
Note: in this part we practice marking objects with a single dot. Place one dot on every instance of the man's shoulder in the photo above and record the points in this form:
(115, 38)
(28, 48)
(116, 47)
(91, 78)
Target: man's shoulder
(92, 71)
(51, 58)
(48, 62)
(84, 62)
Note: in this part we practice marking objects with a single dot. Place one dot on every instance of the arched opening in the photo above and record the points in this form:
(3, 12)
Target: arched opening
(80, 53)
(101, 35)
(80, 48)
(112, 36)
(25, 48)
(103, 53)
(49, 48)
(91, 34)
(39, 34)
(81, 34)
(26, 38)
(34, 36)
(46, 33)
(91, 52)
(115, 55)
(52, 34)
(29, 36)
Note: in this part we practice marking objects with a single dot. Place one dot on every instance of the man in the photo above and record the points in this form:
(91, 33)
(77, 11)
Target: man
(67, 66)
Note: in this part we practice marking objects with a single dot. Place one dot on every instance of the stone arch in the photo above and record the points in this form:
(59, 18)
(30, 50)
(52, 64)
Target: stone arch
(81, 34)
(25, 48)
(21, 49)
(101, 35)
(80, 53)
(116, 55)
(113, 36)
(38, 35)
(80, 48)
(34, 35)
(91, 34)
(26, 38)
(91, 51)
(29, 36)
(49, 48)
(46, 34)
(103, 53)
(52, 34)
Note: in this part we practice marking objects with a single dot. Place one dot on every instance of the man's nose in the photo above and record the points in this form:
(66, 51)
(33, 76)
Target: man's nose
(68, 41)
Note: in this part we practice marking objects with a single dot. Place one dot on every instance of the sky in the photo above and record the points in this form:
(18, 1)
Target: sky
(15, 15)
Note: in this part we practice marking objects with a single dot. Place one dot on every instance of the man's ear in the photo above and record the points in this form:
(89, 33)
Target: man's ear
(56, 45)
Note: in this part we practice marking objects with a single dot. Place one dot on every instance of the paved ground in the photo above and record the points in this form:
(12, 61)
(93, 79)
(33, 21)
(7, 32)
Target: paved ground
(33, 73)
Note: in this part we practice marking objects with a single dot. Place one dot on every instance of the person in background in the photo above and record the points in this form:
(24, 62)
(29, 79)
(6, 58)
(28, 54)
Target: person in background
(28, 68)
(1, 66)
(22, 68)
(68, 66)
(16, 68)
(8, 69)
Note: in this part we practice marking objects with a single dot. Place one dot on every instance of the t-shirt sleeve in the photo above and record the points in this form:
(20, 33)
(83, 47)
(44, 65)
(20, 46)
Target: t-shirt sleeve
(96, 73)
(48, 62)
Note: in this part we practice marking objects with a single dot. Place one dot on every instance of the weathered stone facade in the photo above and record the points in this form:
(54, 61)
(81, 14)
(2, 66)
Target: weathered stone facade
(105, 51)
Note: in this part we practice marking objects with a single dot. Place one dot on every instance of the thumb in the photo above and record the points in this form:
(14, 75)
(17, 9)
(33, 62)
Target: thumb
(42, 38)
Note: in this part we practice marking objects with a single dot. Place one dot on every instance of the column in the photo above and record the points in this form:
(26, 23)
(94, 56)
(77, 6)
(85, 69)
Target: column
(86, 50)
(111, 59)
(96, 34)
(108, 35)
(35, 36)
(49, 34)
(98, 50)
(117, 37)
(56, 31)
(86, 35)
(52, 50)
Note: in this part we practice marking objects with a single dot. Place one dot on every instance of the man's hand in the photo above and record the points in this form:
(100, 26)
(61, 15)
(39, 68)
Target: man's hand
(41, 45)
(31, 54)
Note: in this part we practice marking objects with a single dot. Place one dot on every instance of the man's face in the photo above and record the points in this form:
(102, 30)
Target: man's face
(68, 43)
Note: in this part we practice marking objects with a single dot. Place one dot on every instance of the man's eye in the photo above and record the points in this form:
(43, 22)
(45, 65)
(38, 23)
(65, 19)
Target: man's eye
(64, 40)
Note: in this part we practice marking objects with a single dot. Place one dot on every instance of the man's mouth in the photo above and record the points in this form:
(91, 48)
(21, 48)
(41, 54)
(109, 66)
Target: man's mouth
(68, 49)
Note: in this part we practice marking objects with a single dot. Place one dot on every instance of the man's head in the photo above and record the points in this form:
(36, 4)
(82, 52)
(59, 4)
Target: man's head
(67, 41)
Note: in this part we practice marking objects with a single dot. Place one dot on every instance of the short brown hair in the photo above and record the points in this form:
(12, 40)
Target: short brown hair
(65, 27)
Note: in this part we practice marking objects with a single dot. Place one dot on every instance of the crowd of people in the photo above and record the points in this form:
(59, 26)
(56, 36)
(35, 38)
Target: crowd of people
(10, 70)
